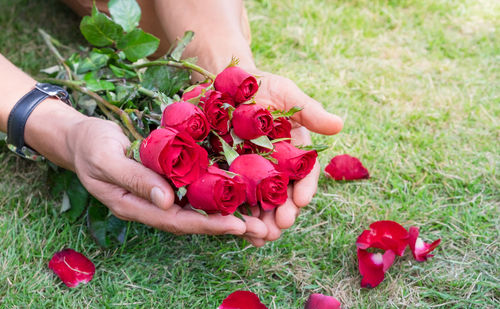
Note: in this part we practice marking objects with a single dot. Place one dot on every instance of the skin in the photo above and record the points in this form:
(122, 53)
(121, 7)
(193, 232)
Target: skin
(95, 148)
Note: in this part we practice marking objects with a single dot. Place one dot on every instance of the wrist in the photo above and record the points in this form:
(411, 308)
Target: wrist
(47, 130)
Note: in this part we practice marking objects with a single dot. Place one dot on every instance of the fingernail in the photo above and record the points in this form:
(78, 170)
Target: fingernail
(157, 197)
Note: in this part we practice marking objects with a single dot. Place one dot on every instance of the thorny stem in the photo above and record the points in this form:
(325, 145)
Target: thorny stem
(48, 41)
(177, 64)
(103, 104)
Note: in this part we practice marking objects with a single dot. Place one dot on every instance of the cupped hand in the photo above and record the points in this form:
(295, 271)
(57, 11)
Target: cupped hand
(281, 93)
(135, 193)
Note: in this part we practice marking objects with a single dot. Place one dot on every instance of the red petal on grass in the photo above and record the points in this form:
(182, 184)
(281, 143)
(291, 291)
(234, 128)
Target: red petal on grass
(242, 300)
(345, 167)
(373, 266)
(320, 301)
(385, 235)
(420, 249)
(72, 267)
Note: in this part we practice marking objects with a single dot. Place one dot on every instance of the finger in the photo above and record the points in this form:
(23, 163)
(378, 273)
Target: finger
(141, 181)
(175, 219)
(300, 136)
(287, 213)
(273, 231)
(255, 227)
(313, 116)
(304, 189)
(256, 242)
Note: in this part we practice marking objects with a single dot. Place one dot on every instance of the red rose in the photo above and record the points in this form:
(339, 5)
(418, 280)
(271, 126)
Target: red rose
(240, 85)
(251, 121)
(216, 191)
(72, 267)
(295, 163)
(193, 93)
(264, 183)
(174, 154)
(216, 107)
(184, 116)
(281, 129)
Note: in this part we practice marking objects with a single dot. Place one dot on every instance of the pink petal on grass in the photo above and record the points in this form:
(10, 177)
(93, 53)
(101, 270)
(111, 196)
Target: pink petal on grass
(320, 301)
(420, 249)
(242, 300)
(72, 267)
(385, 235)
(345, 167)
(373, 266)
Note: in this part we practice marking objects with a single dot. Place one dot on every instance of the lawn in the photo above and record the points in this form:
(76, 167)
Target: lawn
(418, 85)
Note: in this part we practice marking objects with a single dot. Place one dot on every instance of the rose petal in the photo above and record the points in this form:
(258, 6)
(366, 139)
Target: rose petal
(385, 235)
(373, 266)
(242, 300)
(320, 301)
(420, 249)
(345, 167)
(72, 267)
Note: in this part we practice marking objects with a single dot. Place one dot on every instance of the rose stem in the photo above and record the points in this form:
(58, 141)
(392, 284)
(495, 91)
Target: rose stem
(177, 64)
(48, 41)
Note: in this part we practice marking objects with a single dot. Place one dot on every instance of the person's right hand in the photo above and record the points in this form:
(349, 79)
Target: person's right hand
(135, 193)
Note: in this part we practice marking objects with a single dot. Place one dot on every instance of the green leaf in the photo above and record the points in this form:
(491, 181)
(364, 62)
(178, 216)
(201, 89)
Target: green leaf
(122, 72)
(238, 215)
(95, 84)
(100, 30)
(165, 79)
(116, 229)
(66, 204)
(93, 62)
(78, 198)
(181, 192)
(263, 141)
(229, 152)
(96, 222)
(200, 211)
(288, 114)
(138, 44)
(87, 104)
(126, 13)
(318, 147)
(236, 139)
(181, 45)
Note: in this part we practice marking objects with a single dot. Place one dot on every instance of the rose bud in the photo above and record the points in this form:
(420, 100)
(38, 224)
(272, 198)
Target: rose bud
(72, 267)
(264, 183)
(195, 92)
(174, 154)
(184, 116)
(216, 191)
(240, 85)
(320, 301)
(420, 249)
(216, 108)
(281, 129)
(294, 162)
(251, 121)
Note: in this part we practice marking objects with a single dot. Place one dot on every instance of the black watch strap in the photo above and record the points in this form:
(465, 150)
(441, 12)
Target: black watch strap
(20, 113)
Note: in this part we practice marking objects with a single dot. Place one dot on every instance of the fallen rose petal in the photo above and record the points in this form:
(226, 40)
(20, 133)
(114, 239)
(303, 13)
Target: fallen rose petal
(320, 301)
(242, 300)
(420, 249)
(373, 266)
(345, 167)
(385, 235)
(72, 267)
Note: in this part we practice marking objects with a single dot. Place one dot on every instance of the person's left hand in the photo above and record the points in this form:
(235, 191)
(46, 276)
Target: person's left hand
(281, 93)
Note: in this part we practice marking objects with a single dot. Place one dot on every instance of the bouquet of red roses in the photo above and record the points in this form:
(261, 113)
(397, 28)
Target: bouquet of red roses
(220, 148)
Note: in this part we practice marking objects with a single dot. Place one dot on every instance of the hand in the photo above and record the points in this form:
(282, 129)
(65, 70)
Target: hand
(135, 193)
(281, 93)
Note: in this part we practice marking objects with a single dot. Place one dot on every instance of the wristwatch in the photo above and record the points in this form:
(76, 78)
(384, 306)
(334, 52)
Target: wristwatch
(20, 113)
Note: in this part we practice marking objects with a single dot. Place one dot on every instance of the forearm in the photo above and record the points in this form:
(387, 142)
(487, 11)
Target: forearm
(218, 32)
(48, 125)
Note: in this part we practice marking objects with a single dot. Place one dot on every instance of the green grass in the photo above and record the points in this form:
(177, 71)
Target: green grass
(418, 84)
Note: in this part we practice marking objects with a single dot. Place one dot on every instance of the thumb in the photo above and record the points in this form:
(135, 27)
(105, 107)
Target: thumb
(312, 116)
(140, 181)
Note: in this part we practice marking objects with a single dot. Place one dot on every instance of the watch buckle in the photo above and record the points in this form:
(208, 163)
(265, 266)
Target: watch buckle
(53, 91)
